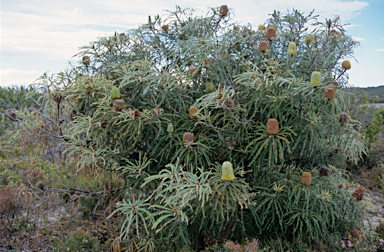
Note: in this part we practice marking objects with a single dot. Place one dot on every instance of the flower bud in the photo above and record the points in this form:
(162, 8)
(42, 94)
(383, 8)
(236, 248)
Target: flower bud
(170, 128)
(115, 93)
(86, 61)
(119, 105)
(193, 113)
(188, 137)
(261, 27)
(165, 28)
(211, 88)
(224, 10)
(227, 171)
(315, 78)
(292, 48)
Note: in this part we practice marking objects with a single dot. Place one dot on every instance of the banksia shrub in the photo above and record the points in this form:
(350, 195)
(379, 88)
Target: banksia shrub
(193, 70)
(343, 118)
(227, 171)
(263, 46)
(329, 92)
(315, 79)
(115, 93)
(306, 178)
(188, 137)
(354, 234)
(271, 33)
(193, 113)
(359, 193)
(86, 61)
(324, 171)
(224, 10)
(292, 49)
(272, 126)
(119, 105)
(346, 64)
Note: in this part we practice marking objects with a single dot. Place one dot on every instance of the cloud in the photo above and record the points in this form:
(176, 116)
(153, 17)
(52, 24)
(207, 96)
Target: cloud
(379, 50)
(358, 39)
(10, 77)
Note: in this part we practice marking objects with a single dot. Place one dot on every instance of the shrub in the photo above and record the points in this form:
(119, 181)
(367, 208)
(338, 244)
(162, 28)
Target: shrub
(277, 124)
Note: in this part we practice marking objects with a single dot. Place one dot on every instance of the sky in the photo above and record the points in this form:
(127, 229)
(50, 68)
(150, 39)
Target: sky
(40, 36)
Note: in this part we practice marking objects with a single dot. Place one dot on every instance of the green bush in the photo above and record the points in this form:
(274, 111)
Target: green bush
(205, 75)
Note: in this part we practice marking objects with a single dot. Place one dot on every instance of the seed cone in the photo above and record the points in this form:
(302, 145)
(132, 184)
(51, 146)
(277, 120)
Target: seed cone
(119, 105)
(263, 46)
(224, 10)
(271, 34)
(56, 96)
(324, 171)
(227, 171)
(193, 70)
(335, 83)
(11, 115)
(346, 64)
(315, 78)
(272, 126)
(135, 114)
(329, 92)
(230, 103)
(165, 28)
(354, 234)
(115, 93)
(72, 115)
(230, 142)
(188, 137)
(306, 178)
(343, 119)
(207, 64)
(86, 61)
(193, 112)
(359, 193)
(292, 49)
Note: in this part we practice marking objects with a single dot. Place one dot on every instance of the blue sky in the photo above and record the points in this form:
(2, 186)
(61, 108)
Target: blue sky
(43, 35)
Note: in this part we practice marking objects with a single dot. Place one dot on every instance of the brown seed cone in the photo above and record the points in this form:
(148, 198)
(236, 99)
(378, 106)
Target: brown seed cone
(354, 234)
(188, 137)
(306, 178)
(271, 33)
(230, 103)
(224, 10)
(56, 96)
(193, 70)
(324, 171)
(272, 126)
(135, 114)
(193, 113)
(40, 185)
(359, 193)
(72, 115)
(165, 28)
(335, 83)
(119, 105)
(346, 64)
(343, 118)
(86, 61)
(11, 115)
(329, 92)
(122, 34)
(207, 64)
(263, 46)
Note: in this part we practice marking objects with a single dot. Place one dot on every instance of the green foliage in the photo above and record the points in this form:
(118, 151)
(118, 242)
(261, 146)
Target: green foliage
(78, 241)
(376, 126)
(176, 195)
